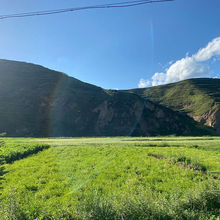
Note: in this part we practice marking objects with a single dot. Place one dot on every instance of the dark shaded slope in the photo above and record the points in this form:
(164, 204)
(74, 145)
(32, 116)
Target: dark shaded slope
(36, 101)
(24, 98)
(199, 98)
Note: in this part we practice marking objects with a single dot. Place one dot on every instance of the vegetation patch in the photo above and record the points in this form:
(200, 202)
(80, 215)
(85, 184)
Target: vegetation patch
(112, 180)
(158, 156)
(12, 152)
(182, 161)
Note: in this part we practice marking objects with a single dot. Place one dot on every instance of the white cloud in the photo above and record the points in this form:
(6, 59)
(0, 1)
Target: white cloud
(158, 79)
(211, 50)
(182, 69)
(188, 67)
(143, 83)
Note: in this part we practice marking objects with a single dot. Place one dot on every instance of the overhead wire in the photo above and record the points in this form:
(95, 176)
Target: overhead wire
(103, 6)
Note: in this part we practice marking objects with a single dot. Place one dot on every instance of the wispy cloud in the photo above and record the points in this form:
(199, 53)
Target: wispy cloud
(144, 83)
(188, 67)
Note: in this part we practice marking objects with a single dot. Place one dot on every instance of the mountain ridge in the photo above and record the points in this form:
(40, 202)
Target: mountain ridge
(39, 102)
(199, 98)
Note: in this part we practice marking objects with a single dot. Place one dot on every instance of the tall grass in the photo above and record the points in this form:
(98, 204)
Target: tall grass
(105, 180)
(13, 152)
(202, 203)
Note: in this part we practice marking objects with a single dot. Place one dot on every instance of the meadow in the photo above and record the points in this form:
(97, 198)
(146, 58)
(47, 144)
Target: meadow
(110, 178)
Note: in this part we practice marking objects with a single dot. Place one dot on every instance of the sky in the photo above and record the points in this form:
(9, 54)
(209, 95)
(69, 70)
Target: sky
(119, 48)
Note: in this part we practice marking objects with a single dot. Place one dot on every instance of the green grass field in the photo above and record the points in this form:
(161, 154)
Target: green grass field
(110, 178)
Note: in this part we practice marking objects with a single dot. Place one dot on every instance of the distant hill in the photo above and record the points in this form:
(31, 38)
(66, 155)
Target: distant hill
(39, 102)
(198, 98)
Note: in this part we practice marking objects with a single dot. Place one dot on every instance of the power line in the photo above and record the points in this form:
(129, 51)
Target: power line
(104, 6)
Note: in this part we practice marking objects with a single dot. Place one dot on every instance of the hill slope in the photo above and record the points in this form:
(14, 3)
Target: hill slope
(36, 101)
(199, 98)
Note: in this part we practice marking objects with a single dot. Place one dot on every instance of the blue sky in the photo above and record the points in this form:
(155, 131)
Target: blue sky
(111, 48)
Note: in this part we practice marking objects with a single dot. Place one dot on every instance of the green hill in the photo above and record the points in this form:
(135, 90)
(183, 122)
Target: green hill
(199, 98)
(36, 101)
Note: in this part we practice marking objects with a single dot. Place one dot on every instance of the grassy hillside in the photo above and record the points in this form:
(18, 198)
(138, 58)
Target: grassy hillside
(199, 98)
(36, 101)
(114, 178)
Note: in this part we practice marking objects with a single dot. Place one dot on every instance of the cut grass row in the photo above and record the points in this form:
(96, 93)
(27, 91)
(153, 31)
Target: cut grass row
(206, 161)
(110, 182)
(10, 152)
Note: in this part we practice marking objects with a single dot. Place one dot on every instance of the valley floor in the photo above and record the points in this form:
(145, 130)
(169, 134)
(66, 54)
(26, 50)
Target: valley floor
(110, 178)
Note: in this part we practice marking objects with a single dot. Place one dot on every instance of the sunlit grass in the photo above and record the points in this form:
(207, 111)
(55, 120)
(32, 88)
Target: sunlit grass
(114, 178)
